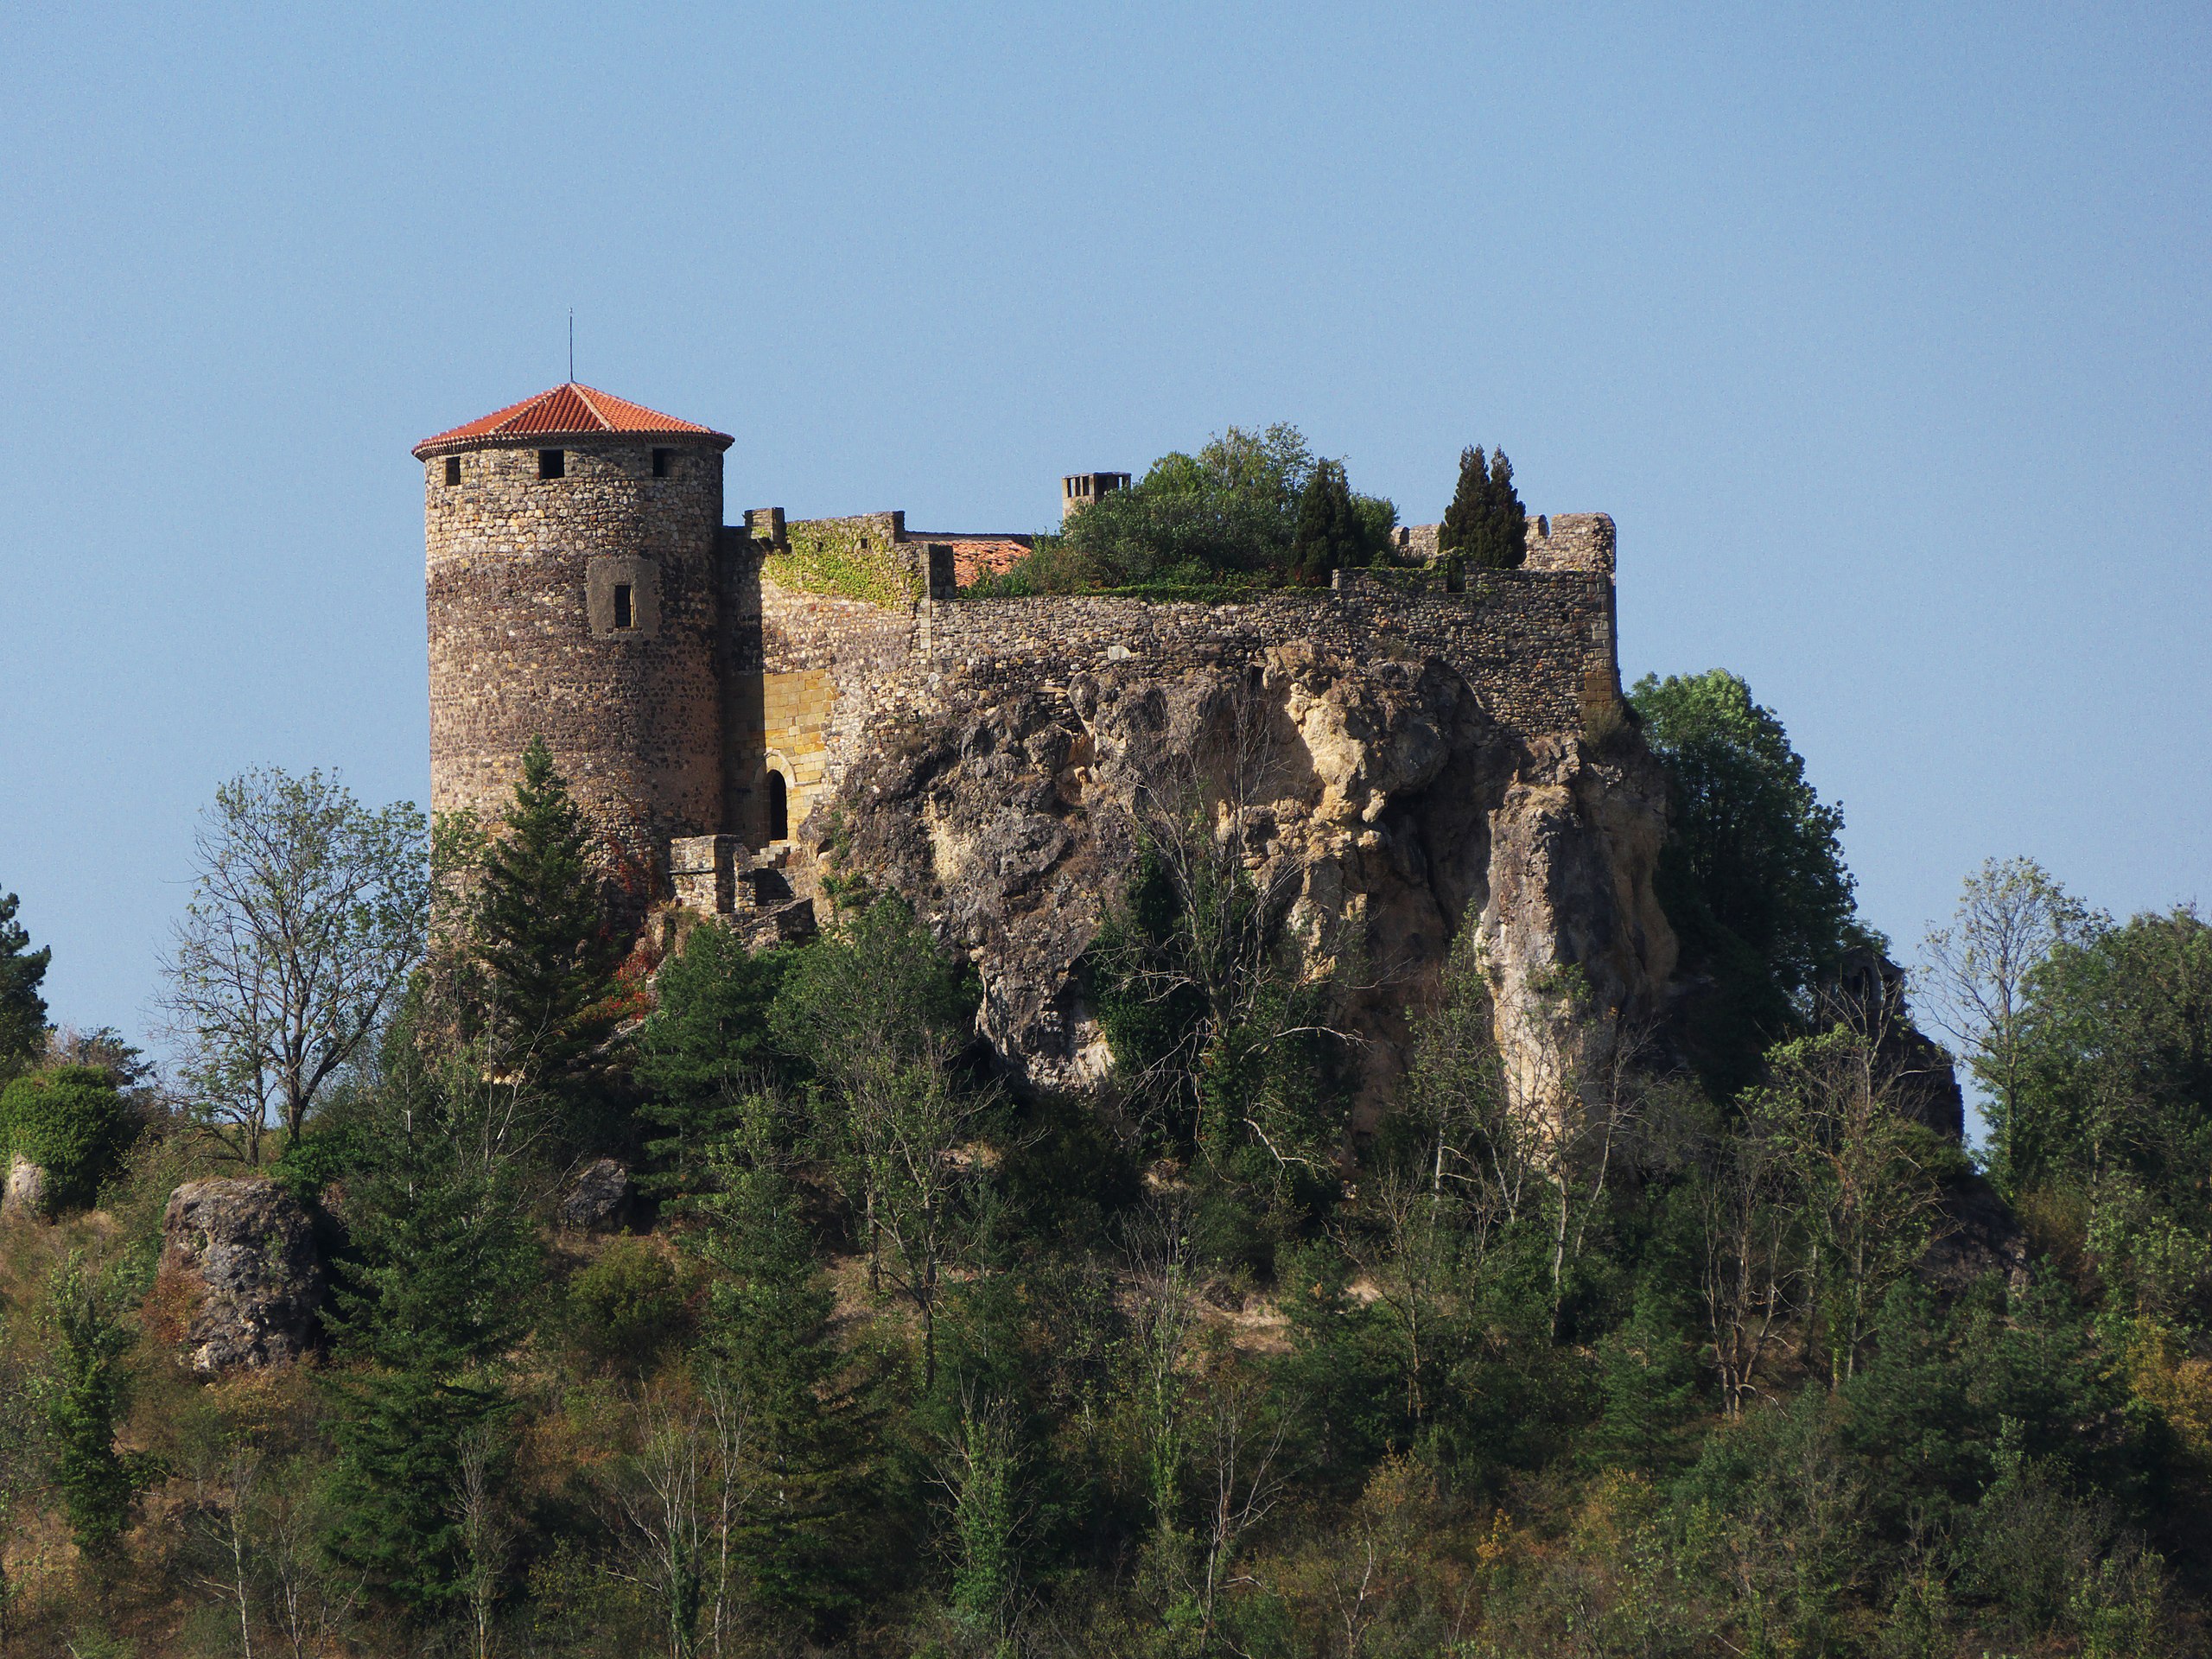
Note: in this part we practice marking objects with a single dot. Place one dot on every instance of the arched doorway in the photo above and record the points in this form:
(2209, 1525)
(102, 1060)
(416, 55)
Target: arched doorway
(779, 812)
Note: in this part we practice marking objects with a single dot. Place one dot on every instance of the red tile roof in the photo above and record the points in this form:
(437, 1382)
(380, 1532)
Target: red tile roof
(974, 556)
(569, 411)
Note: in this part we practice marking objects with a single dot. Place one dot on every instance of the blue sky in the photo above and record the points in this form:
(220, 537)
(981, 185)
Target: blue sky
(1884, 334)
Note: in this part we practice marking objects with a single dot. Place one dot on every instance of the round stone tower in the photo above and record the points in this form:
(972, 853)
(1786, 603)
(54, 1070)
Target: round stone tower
(572, 594)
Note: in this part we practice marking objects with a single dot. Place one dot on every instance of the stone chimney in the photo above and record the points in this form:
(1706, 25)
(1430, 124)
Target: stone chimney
(1079, 490)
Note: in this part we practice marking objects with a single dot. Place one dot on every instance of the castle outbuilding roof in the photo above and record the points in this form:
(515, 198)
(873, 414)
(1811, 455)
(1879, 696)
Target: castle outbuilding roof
(567, 411)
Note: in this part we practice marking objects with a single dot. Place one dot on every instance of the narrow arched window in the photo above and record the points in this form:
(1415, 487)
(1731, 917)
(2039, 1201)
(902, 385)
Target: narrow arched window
(779, 816)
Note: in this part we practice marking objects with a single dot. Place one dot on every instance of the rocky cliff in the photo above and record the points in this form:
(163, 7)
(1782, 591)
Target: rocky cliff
(1380, 796)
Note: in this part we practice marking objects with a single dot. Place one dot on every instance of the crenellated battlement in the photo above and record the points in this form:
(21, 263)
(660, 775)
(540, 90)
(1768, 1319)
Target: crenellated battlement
(1567, 541)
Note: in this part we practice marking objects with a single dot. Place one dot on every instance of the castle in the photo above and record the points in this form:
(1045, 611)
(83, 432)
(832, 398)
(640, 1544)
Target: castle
(711, 690)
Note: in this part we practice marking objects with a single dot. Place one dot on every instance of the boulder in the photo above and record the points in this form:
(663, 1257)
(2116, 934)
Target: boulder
(242, 1251)
(26, 1194)
(599, 1200)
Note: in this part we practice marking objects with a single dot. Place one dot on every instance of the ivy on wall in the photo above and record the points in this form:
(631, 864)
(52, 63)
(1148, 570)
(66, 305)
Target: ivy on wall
(847, 558)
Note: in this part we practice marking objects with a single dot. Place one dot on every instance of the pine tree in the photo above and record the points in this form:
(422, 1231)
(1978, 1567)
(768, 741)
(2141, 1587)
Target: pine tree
(435, 1292)
(22, 1010)
(1330, 533)
(1486, 526)
(770, 1337)
(542, 934)
(1649, 1382)
(707, 1043)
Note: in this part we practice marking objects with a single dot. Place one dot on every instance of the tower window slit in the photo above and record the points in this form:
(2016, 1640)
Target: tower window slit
(453, 469)
(552, 463)
(660, 462)
(623, 614)
(779, 812)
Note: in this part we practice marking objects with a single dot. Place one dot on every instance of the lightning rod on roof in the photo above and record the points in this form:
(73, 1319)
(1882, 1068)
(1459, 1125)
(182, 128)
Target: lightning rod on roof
(572, 344)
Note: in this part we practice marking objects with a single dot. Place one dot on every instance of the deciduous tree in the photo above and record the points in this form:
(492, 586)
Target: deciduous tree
(2011, 915)
(1751, 873)
(308, 913)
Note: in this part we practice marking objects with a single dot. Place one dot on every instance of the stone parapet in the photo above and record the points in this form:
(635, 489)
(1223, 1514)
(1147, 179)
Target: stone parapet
(1572, 541)
(703, 870)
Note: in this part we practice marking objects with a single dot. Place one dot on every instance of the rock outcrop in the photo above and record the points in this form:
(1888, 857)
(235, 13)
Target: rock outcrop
(1383, 796)
(26, 1191)
(599, 1199)
(241, 1252)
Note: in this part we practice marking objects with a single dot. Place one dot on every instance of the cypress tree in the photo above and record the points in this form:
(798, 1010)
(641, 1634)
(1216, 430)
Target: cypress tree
(542, 934)
(1486, 526)
(1330, 533)
(22, 1010)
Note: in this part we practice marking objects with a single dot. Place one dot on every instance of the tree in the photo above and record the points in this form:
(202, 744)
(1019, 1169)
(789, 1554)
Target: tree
(2011, 915)
(23, 1459)
(881, 986)
(2114, 1062)
(22, 1010)
(1751, 873)
(1748, 1212)
(1649, 1380)
(1330, 533)
(1486, 526)
(805, 1454)
(85, 1391)
(308, 913)
(708, 1043)
(1238, 1442)
(679, 1492)
(1866, 1175)
(540, 929)
(435, 1291)
(910, 1124)
(979, 1469)
(1230, 513)
(883, 1012)
(1215, 1011)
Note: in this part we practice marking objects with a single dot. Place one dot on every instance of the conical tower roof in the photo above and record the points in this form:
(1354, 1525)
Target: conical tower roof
(567, 411)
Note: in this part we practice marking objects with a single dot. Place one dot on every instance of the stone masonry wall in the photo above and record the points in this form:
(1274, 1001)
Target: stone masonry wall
(521, 573)
(1565, 541)
(1571, 541)
(1537, 646)
(804, 672)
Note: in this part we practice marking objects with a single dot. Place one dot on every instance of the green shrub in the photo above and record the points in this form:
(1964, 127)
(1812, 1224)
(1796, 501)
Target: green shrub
(627, 1305)
(1250, 511)
(73, 1123)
